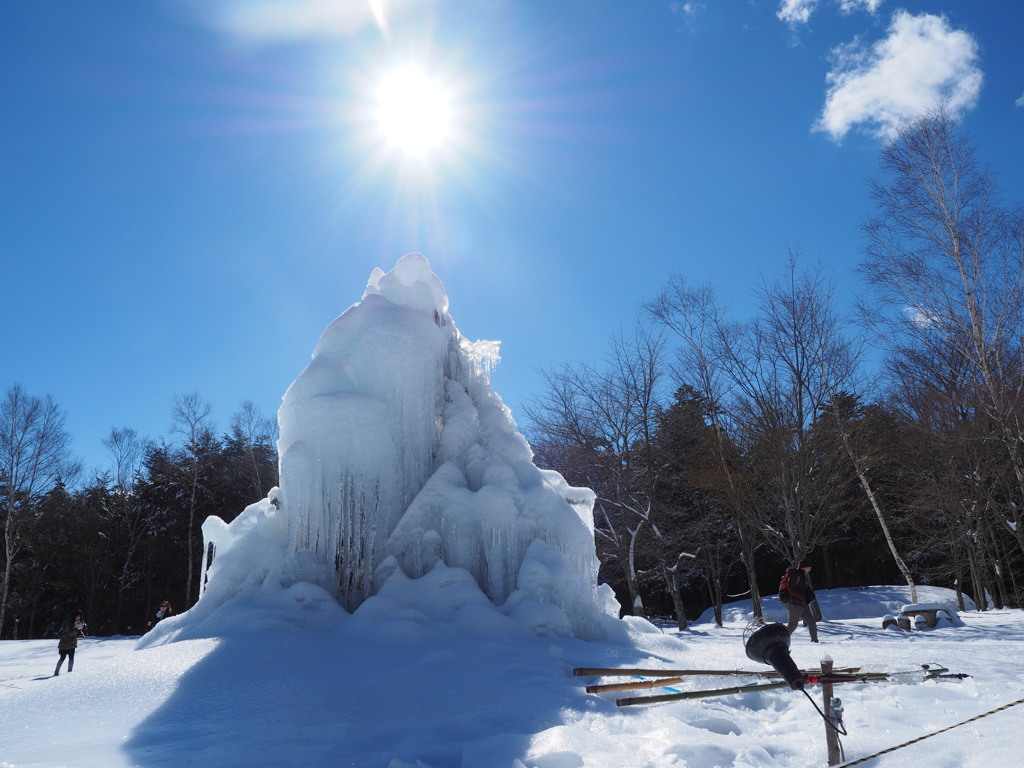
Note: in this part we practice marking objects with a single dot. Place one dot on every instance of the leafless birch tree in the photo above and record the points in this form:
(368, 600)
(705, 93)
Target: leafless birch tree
(945, 261)
(34, 455)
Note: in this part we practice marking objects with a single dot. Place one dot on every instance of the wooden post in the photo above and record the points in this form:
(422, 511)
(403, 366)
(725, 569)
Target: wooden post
(831, 737)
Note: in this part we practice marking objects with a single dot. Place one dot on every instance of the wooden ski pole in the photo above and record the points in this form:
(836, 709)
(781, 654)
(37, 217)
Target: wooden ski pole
(813, 679)
(661, 682)
(623, 672)
(635, 685)
(750, 688)
(627, 672)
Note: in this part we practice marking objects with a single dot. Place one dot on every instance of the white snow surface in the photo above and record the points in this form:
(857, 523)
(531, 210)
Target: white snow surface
(429, 673)
(397, 457)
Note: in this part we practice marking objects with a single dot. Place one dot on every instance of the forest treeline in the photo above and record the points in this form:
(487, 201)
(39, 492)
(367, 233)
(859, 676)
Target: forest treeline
(115, 545)
(886, 442)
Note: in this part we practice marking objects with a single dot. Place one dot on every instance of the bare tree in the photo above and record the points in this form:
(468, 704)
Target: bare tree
(718, 547)
(34, 456)
(787, 366)
(255, 432)
(705, 337)
(945, 261)
(191, 421)
(125, 448)
(966, 491)
(610, 417)
(125, 513)
(570, 435)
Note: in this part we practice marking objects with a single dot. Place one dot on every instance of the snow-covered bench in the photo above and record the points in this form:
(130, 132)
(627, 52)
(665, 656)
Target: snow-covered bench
(922, 615)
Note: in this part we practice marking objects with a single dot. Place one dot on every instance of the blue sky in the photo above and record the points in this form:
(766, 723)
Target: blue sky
(191, 191)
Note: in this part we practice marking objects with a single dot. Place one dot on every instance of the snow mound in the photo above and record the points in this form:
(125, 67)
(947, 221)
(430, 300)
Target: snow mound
(841, 604)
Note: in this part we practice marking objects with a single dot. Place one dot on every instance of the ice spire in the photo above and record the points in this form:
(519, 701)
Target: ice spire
(397, 458)
(361, 424)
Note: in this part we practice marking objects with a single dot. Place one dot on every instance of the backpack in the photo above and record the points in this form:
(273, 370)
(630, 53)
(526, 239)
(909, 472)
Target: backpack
(784, 587)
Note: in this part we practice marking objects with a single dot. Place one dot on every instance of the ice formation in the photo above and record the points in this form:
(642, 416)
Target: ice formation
(397, 458)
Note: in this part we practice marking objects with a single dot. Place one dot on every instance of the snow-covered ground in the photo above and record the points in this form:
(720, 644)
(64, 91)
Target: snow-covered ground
(470, 576)
(431, 673)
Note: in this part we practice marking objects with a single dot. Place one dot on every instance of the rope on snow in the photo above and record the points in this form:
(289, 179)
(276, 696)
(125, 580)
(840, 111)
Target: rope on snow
(860, 760)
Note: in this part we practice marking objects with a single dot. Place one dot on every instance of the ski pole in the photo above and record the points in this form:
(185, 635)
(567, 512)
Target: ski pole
(625, 672)
(703, 694)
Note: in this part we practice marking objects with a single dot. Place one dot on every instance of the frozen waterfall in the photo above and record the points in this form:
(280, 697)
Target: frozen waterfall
(361, 425)
(397, 458)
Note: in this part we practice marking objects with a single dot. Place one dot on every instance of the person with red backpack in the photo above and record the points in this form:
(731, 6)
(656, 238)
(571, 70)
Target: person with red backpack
(797, 595)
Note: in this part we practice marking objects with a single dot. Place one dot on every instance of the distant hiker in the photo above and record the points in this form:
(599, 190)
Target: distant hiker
(163, 613)
(797, 594)
(73, 629)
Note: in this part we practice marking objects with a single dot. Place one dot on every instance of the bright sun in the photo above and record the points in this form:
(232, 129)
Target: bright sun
(413, 111)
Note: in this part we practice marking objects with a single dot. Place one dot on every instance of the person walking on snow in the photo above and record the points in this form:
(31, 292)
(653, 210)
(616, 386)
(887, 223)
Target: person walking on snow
(73, 629)
(797, 594)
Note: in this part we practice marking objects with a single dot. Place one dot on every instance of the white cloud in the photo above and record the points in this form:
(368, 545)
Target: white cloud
(1020, 102)
(920, 317)
(849, 6)
(922, 61)
(274, 21)
(685, 9)
(796, 11)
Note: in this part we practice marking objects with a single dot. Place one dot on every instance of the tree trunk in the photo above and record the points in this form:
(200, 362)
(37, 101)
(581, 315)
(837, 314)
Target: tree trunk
(672, 583)
(636, 603)
(890, 542)
(980, 599)
(10, 552)
(4, 595)
(191, 543)
(749, 565)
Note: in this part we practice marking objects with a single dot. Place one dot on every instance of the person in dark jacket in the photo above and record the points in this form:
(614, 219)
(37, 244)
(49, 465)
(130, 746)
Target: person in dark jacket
(73, 629)
(798, 596)
(163, 613)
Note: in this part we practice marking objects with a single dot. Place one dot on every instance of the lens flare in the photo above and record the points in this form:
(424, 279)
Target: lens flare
(413, 111)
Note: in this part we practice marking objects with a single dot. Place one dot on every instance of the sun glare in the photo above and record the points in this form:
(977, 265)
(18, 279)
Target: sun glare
(413, 112)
